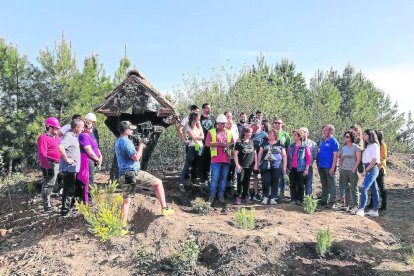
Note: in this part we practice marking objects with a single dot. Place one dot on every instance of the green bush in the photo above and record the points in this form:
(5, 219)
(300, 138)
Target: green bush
(323, 241)
(409, 257)
(244, 220)
(104, 216)
(309, 204)
(186, 260)
(200, 206)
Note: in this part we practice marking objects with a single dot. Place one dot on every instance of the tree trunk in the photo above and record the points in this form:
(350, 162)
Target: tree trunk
(10, 171)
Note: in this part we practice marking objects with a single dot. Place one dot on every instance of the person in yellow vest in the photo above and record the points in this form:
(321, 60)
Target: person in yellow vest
(219, 140)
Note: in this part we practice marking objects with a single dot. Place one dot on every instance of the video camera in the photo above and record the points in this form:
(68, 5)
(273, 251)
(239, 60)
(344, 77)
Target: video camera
(145, 131)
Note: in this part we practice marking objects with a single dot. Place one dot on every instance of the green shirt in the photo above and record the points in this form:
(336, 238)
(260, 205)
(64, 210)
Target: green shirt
(284, 138)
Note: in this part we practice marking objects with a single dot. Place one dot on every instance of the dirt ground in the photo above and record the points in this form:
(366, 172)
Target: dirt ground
(283, 242)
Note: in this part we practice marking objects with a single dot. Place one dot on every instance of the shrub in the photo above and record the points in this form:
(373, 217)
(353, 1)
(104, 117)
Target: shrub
(409, 257)
(30, 188)
(200, 206)
(309, 204)
(323, 241)
(245, 221)
(143, 253)
(112, 185)
(104, 216)
(186, 259)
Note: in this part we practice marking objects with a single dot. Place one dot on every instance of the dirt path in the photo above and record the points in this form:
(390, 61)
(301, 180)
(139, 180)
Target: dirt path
(284, 242)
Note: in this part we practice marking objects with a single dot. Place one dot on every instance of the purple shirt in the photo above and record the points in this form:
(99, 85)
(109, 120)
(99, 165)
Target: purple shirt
(87, 139)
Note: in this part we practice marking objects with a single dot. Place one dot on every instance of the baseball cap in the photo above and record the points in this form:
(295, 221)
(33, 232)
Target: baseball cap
(124, 125)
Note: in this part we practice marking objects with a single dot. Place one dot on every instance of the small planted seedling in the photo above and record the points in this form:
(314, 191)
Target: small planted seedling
(244, 220)
(323, 241)
(309, 204)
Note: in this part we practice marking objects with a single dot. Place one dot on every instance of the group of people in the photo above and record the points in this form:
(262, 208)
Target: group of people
(72, 153)
(254, 146)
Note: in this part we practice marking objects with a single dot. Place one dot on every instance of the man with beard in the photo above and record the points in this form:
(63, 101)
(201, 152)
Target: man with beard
(284, 139)
(207, 122)
(242, 122)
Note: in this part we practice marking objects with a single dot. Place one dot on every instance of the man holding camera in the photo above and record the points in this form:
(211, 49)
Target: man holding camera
(129, 171)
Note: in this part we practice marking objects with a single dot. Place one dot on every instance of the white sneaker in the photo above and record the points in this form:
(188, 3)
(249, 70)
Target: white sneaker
(360, 212)
(181, 187)
(353, 210)
(372, 213)
(265, 200)
(273, 201)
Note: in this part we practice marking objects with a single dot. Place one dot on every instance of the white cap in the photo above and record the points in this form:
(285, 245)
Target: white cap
(221, 118)
(90, 117)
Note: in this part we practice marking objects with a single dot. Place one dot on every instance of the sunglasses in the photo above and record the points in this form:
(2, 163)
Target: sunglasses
(277, 123)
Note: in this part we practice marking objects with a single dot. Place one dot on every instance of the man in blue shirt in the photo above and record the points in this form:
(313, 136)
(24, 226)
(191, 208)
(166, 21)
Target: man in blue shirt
(129, 171)
(327, 158)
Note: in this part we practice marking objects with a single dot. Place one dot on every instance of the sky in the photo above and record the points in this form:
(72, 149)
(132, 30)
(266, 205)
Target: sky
(166, 39)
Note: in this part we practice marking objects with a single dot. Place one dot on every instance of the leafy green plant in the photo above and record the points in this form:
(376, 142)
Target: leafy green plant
(200, 206)
(30, 188)
(323, 241)
(143, 253)
(112, 185)
(186, 260)
(244, 220)
(309, 204)
(104, 217)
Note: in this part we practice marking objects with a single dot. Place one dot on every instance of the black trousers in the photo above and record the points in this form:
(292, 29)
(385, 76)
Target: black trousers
(71, 189)
(205, 162)
(243, 182)
(297, 184)
(381, 190)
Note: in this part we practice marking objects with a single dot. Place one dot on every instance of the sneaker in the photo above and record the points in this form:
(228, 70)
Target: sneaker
(372, 213)
(272, 201)
(352, 210)
(181, 187)
(265, 200)
(247, 200)
(221, 200)
(256, 198)
(360, 213)
(238, 200)
(167, 211)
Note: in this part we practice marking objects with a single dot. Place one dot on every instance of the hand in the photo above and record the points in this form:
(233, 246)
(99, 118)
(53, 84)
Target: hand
(332, 171)
(70, 161)
(238, 168)
(142, 143)
(354, 170)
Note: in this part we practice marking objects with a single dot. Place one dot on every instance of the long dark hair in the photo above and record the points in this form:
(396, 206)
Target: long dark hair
(191, 118)
(243, 134)
(372, 137)
(351, 135)
(380, 136)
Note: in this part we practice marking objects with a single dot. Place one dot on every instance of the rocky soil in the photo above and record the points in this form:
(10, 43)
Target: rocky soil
(283, 243)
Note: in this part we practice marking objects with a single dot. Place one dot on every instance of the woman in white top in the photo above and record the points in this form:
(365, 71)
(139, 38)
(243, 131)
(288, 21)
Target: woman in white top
(370, 159)
(195, 145)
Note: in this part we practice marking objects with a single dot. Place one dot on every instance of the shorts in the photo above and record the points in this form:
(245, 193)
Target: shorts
(131, 179)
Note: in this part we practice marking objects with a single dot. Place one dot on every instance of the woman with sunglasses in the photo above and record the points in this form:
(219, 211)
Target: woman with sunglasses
(299, 160)
(350, 156)
(371, 159)
(272, 156)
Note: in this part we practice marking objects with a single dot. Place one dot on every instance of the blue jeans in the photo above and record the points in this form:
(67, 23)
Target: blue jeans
(282, 185)
(370, 183)
(190, 154)
(219, 173)
(270, 180)
(308, 181)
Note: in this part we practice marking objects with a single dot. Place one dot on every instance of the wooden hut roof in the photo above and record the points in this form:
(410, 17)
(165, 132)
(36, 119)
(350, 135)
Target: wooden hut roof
(134, 92)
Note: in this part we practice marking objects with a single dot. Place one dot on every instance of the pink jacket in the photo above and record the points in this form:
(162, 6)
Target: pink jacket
(47, 150)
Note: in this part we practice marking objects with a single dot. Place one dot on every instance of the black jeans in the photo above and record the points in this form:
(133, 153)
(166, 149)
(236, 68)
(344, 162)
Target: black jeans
(231, 175)
(381, 190)
(243, 182)
(270, 181)
(71, 189)
(205, 161)
(297, 184)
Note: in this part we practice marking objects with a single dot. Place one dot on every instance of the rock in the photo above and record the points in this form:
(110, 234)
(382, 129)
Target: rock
(3, 232)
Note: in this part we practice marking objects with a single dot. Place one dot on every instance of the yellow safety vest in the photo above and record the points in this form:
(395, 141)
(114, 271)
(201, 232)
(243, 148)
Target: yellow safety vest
(213, 150)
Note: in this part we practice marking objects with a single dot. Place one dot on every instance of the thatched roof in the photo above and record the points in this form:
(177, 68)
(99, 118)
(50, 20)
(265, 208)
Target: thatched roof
(137, 94)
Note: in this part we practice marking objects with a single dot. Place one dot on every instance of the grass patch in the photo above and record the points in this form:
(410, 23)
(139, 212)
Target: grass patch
(245, 220)
(409, 256)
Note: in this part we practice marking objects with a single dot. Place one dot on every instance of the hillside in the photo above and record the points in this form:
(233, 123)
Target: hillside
(283, 242)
